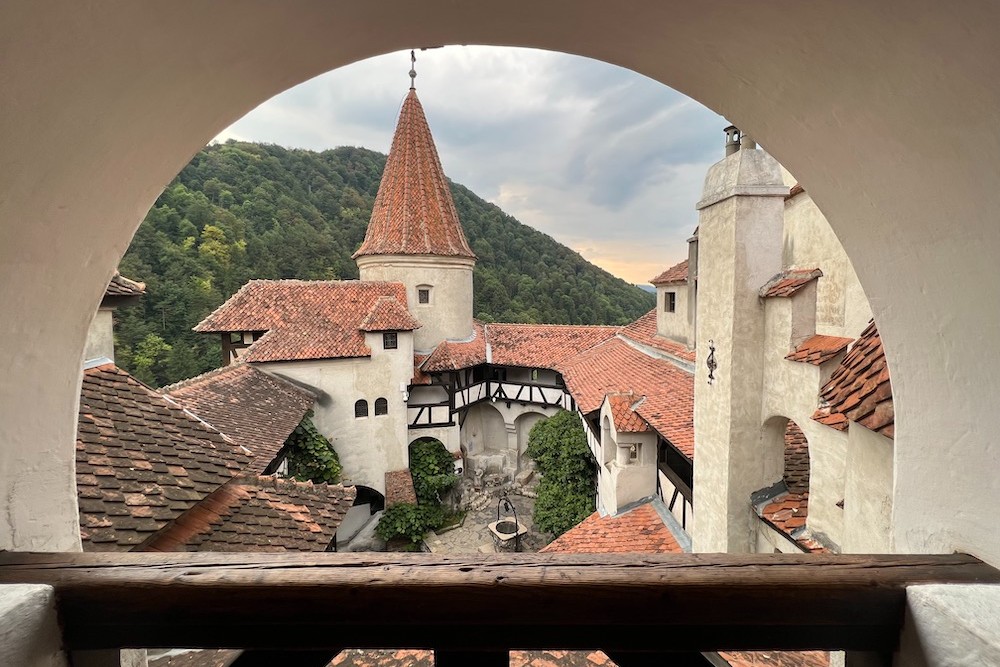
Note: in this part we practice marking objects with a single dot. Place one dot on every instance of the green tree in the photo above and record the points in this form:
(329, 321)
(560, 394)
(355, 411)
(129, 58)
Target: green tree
(566, 491)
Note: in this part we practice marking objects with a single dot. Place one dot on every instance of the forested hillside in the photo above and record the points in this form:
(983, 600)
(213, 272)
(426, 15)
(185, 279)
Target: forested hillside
(240, 211)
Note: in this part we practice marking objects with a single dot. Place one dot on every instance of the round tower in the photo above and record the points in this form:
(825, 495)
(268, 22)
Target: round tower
(415, 237)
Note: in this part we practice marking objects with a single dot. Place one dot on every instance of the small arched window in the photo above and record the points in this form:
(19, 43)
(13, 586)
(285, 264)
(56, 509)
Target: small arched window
(361, 409)
(381, 407)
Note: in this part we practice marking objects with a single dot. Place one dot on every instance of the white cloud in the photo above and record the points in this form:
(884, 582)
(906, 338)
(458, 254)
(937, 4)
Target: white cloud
(598, 157)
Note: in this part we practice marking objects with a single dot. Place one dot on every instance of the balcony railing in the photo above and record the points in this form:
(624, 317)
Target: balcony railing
(633, 606)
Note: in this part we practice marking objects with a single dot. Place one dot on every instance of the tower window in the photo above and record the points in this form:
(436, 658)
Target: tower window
(381, 407)
(361, 409)
(390, 341)
(424, 295)
(669, 301)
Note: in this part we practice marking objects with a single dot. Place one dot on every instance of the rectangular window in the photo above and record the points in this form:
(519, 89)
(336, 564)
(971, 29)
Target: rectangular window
(423, 296)
(389, 341)
(669, 301)
(633, 453)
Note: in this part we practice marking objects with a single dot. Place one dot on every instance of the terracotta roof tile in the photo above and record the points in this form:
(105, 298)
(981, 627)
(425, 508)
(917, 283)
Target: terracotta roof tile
(643, 331)
(453, 355)
(796, 473)
(260, 514)
(304, 319)
(794, 190)
(205, 658)
(141, 460)
(622, 410)
(614, 366)
(388, 314)
(414, 213)
(776, 658)
(788, 513)
(541, 345)
(819, 349)
(424, 658)
(677, 273)
(419, 376)
(789, 282)
(122, 286)
(859, 389)
(638, 530)
(399, 488)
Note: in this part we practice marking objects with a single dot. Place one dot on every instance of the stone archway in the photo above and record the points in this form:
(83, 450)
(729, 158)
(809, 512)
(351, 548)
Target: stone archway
(109, 101)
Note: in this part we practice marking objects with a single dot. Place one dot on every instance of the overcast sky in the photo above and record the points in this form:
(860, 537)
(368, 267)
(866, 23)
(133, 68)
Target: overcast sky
(604, 160)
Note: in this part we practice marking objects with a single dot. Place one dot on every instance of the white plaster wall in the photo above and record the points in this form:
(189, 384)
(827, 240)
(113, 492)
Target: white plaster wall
(810, 242)
(624, 481)
(29, 627)
(484, 430)
(868, 493)
(371, 446)
(448, 435)
(449, 313)
(101, 336)
(739, 248)
(678, 325)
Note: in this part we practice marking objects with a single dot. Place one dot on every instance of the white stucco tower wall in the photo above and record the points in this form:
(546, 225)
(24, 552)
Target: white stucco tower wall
(447, 314)
(740, 246)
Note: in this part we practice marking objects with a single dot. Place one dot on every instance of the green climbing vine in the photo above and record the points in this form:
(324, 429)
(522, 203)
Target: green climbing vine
(311, 456)
(568, 472)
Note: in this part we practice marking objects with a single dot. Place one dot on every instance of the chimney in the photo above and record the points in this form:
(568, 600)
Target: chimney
(732, 139)
(746, 143)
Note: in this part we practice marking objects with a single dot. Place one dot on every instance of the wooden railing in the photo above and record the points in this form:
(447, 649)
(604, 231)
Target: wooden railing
(627, 605)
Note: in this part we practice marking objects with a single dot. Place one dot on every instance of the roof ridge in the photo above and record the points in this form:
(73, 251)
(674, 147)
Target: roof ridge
(191, 381)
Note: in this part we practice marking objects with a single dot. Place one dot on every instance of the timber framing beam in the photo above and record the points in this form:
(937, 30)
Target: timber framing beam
(624, 603)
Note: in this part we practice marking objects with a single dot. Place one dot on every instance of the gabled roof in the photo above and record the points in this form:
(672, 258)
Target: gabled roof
(624, 414)
(643, 331)
(638, 530)
(614, 366)
(819, 349)
(542, 345)
(141, 460)
(304, 319)
(414, 213)
(789, 282)
(255, 409)
(260, 514)
(678, 273)
(388, 314)
(453, 355)
(859, 389)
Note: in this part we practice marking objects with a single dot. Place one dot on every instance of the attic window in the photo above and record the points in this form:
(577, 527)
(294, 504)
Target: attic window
(389, 341)
(669, 302)
(423, 295)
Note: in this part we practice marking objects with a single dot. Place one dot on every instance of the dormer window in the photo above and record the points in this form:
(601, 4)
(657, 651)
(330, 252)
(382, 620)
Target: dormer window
(669, 302)
(390, 340)
(424, 294)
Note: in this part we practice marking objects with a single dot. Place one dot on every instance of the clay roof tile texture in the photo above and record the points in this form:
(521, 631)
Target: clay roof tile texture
(542, 345)
(141, 460)
(255, 409)
(819, 349)
(643, 331)
(789, 282)
(638, 530)
(122, 286)
(677, 273)
(399, 488)
(414, 213)
(388, 314)
(860, 389)
(625, 416)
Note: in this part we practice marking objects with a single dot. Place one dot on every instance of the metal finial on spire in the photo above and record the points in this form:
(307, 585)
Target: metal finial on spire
(413, 70)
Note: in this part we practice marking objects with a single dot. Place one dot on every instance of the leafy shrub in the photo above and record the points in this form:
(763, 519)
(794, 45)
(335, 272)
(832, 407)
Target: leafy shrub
(311, 456)
(559, 448)
(409, 521)
(433, 470)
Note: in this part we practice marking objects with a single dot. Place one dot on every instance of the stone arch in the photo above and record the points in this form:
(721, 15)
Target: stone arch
(484, 430)
(839, 133)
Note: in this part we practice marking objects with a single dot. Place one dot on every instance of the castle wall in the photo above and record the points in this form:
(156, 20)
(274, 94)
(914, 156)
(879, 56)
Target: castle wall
(448, 314)
(368, 446)
(678, 325)
(868, 493)
(100, 336)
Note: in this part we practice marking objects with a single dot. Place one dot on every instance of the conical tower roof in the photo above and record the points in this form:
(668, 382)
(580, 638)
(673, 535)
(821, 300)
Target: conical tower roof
(414, 213)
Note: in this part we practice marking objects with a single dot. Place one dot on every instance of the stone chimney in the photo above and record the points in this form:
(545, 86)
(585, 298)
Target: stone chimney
(732, 139)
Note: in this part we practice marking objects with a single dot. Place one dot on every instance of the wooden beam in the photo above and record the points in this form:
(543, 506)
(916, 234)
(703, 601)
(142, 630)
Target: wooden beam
(687, 602)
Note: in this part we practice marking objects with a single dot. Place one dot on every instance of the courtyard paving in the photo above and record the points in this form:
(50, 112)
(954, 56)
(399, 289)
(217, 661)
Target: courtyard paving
(473, 537)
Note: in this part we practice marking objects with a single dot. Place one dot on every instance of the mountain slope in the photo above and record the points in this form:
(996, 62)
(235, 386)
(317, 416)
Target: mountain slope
(241, 210)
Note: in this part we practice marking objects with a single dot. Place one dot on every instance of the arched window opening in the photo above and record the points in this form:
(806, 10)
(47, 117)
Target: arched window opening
(361, 409)
(381, 407)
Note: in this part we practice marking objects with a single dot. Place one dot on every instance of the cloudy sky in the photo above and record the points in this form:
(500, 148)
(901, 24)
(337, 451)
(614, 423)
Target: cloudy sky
(604, 160)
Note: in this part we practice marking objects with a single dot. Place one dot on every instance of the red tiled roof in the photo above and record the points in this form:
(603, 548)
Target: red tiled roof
(215, 657)
(541, 345)
(304, 319)
(255, 409)
(452, 355)
(788, 513)
(141, 460)
(859, 389)
(795, 190)
(388, 314)
(796, 459)
(424, 658)
(789, 282)
(639, 530)
(643, 331)
(819, 349)
(419, 376)
(626, 419)
(614, 366)
(399, 488)
(122, 286)
(260, 514)
(776, 658)
(414, 213)
(677, 273)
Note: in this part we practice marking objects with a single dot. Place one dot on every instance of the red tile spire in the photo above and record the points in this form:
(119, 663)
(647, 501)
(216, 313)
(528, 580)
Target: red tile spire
(414, 213)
